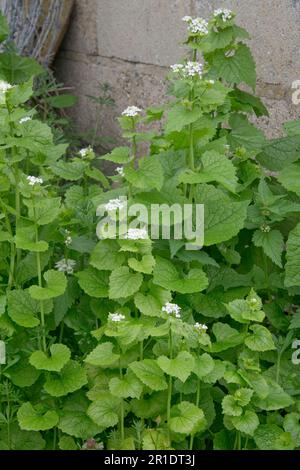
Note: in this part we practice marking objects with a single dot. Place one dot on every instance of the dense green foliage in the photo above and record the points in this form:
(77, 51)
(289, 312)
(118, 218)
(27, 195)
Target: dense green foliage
(75, 377)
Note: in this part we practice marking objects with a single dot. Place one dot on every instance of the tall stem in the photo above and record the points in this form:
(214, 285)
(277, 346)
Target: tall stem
(122, 408)
(197, 404)
(169, 401)
(40, 281)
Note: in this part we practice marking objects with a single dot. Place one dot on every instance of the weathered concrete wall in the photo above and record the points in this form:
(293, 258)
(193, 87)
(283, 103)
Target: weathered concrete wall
(131, 43)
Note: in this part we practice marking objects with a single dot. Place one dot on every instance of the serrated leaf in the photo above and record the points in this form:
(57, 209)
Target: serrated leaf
(246, 423)
(145, 265)
(119, 155)
(60, 355)
(106, 255)
(149, 174)
(149, 372)
(241, 312)
(166, 275)
(71, 378)
(292, 267)
(150, 304)
(215, 167)
(75, 421)
(279, 153)
(272, 437)
(56, 286)
(260, 340)
(123, 283)
(32, 420)
(129, 386)
(104, 411)
(25, 239)
(180, 116)
(203, 365)
(244, 134)
(22, 374)
(230, 407)
(93, 282)
(181, 366)
(272, 244)
(71, 171)
(44, 211)
(102, 355)
(187, 418)
(22, 309)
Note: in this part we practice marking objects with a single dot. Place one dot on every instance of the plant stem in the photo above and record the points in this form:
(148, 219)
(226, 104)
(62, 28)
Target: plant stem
(278, 363)
(8, 416)
(17, 207)
(169, 401)
(122, 408)
(197, 404)
(39, 273)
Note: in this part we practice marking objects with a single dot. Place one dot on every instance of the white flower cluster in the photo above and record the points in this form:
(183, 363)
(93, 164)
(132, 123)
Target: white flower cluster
(200, 328)
(120, 171)
(66, 265)
(136, 234)
(172, 309)
(25, 119)
(131, 111)
(4, 86)
(225, 14)
(196, 25)
(190, 69)
(85, 152)
(114, 204)
(116, 317)
(33, 180)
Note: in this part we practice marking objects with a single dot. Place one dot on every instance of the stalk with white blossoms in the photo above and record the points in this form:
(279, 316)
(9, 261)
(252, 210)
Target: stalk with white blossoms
(200, 328)
(172, 309)
(136, 234)
(114, 204)
(190, 69)
(85, 151)
(33, 180)
(131, 111)
(25, 119)
(198, 26)
(224, 13)
(66, 266)
(116, 317)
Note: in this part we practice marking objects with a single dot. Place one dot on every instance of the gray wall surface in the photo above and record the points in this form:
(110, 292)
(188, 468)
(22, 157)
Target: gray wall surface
(131, 43)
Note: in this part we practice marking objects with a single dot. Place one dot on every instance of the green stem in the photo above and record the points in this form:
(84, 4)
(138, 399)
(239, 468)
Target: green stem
(17, 207)
(8, 416)
(278, 367)
(169, 400)
(39, 273)
(197, 404)
(122, 409)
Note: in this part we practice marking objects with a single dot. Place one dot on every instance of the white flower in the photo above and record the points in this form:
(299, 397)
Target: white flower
(136, 234)
(114, 204)
(68, 240)
(120, 171)
(172, 309)
(4, 86)
(25, 119)
(66, 265)
(33, 180)
(116, 317)
(84, 152)
(225, 14)
(198, 25)
(211, 82)
(187, 19)
(177, 68)
(131, 111)
(265, 228)
(193, 68)
(200, 328)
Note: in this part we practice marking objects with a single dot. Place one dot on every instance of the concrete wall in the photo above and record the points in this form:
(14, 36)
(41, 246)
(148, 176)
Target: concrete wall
(131, 43)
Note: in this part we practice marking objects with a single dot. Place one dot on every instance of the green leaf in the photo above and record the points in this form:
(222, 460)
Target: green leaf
(56, 286)
(156, 439)
(230, 407)
(64, 100)
(245, 98)
(292, 267)
(102, 355)
(60, 355)
(261, 339)
(246, 423)
(44, 211)
(75, 421)
(25, 239)
(4, 28)
(119, 155)
(94, 282)
(129, 386)
(151, 303)
(106, 255)
(203, 365)
(71, 378)
(149, 372)
(72, 171)
(180, 116)
(187, 418)
(123, 283)
(181, 366)
(216, 167)
(32, 419)
(276, 398)
(226, 336)
(272, 437)
(241, 312)
(67, 443)
(104, 411)
(244, 134)
(17, 69)
(149, 174)
(166, 275)
(272, 244)
(20, 440)
(291, 424)
(145, 265)
(289, 178)
(235, 68)
(277, 154)
(22, 309)
(22, 374)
